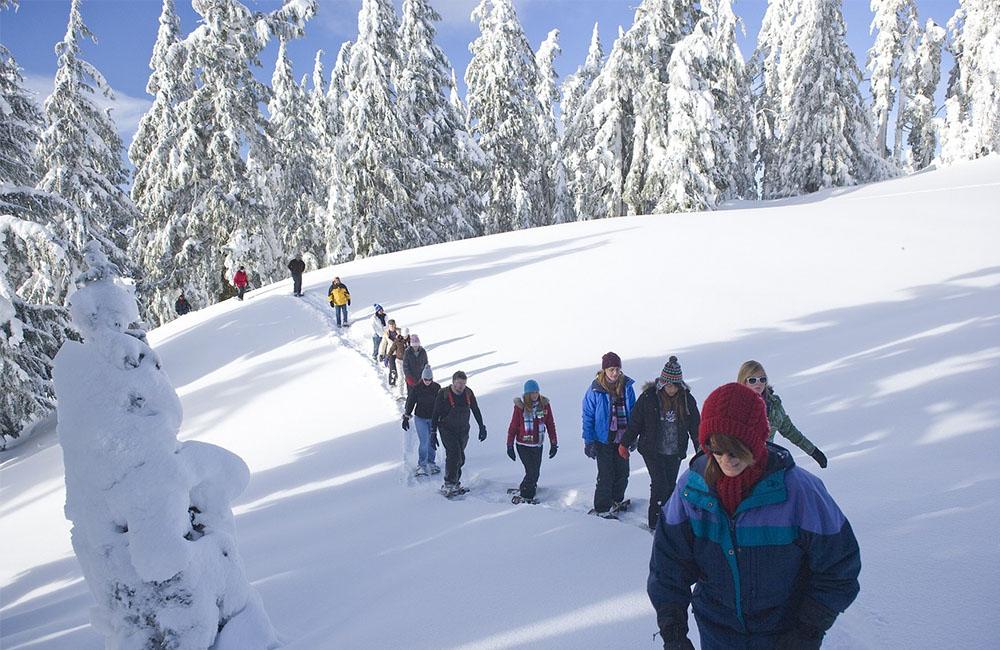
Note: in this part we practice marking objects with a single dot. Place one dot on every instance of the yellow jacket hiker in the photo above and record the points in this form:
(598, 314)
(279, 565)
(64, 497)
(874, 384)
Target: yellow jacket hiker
(338, 293)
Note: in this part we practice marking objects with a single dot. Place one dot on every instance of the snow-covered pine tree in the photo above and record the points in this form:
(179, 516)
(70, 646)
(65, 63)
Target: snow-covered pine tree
(558, 206)
(972, 124)
(292, 187)
(217, 220)
(437, 170)
(890, 21)
(335, 153)
(503, 117)
(80, 152)
(600, 136)
(35, 268)
(735, 176)
(658, 26)
(825, 138)
(153, 527)
(573, 135)
(909, 43)
(766, 85)
(921, 74)
(155, 190)
(374, 137)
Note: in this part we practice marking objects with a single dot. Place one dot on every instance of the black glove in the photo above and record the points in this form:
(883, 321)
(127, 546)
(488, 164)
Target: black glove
(683, 643)
(482, 432)
(819, 457)
(552, 450)
(674, 629)
(405, 423)
(510, 452)
(590, 449)
(800, 638)
(348, 302)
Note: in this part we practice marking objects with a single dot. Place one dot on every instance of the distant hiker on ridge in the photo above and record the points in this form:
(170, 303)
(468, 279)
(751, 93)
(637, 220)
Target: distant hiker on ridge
(182, 306)
(340, 298)
(378, 328)
(241, 282)
(297, 267)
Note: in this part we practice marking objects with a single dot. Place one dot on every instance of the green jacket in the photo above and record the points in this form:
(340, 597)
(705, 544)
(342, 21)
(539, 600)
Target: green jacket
(781, 423)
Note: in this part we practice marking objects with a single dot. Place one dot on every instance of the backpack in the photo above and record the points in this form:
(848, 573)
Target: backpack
(451, 397)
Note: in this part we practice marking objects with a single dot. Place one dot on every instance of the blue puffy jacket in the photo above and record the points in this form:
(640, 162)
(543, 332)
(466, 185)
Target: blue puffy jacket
(597, 411)
(787, 558)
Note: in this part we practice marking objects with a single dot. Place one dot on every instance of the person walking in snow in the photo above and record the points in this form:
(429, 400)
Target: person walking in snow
(531, 421)
(384, 350)
(241, 281)
(396, 352)
(452, 409)
(420, 406)
(414, 359)
(378, 328)
(340, 299)
(297, 267)
(664, 417)
(772, 558)
(182, 306)
(607, 406)
(752, 375)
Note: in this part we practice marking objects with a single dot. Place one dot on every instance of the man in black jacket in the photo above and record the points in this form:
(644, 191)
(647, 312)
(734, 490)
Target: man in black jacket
(452, 408)
(182, 306)
(297, 267)
(422, 396)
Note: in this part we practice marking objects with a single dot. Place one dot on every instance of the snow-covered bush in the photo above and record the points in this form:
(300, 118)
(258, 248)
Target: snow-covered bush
(152, 524)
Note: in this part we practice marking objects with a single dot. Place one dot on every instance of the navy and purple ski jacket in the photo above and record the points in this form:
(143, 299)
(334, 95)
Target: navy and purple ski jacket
(787, 557)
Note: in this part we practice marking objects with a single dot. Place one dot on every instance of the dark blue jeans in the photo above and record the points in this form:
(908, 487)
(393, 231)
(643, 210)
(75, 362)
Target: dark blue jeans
(341, 313)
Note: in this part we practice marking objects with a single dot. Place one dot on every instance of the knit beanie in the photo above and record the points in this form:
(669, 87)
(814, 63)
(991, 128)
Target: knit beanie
(611, 360)
(530, 386)
(671, 374)
(737, 411)
(377, 307)
(427, 373)
(414, 340)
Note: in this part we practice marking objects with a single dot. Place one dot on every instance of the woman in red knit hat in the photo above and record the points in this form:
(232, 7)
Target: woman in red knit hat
(774, 558)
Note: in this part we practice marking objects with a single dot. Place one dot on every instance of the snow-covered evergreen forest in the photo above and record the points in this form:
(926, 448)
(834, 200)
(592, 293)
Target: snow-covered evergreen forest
(383, 154)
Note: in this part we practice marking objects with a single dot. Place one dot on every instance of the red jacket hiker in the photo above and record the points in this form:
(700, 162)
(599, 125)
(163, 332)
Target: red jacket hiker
(539, 425)
(240, 279)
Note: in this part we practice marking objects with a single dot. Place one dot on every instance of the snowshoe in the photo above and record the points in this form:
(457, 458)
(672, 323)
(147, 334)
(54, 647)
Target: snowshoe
(421, 471)
(433, 469)
(453, 491)
(517, 498)
(622, 506)
(513, 490)
(603, 515)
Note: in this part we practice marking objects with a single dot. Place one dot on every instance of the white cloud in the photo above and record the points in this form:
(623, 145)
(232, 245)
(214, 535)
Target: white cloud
(126, 111)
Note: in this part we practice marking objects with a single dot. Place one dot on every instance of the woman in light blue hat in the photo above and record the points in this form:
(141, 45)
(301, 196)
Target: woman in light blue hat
(531, 422)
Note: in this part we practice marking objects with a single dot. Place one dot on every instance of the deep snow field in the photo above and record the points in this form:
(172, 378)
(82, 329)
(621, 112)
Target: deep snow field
(875, 309)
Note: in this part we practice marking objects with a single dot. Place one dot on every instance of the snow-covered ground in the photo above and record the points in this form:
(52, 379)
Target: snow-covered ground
(876, 311)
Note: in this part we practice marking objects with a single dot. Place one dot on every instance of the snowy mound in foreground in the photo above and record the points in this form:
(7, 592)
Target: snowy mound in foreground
(872, 308)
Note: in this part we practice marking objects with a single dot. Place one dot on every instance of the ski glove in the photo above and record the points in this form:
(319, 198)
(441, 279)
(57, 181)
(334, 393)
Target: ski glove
(682, 644)
(672, 622)
(623, 452)
(348, 303)
(405, 423)
(553, 450)
(482, 432)
(590, 449)
(510, 452)
(819, 457)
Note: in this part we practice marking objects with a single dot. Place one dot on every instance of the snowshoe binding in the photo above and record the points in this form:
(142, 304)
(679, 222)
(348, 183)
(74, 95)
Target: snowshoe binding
(517, 498)
(453, 491)
(621, 506)
(603, 515)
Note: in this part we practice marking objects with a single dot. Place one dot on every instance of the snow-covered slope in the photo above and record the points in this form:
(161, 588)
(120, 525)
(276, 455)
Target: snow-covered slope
(876, 311)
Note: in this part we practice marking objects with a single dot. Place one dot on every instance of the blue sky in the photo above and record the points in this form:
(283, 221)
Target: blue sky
(126, 30)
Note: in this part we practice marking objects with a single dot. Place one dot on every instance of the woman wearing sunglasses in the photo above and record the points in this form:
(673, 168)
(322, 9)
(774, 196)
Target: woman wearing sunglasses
(752, 375)
(773, 559)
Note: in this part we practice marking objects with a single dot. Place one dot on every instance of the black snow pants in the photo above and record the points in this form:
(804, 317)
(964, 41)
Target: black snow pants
(296, 283)
(454, 453)
(662, 480)
(531, 458)
(612, 477)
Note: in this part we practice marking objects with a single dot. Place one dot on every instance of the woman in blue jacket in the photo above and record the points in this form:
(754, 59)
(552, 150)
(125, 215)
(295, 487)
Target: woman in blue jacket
(772, 558)
(606, 408)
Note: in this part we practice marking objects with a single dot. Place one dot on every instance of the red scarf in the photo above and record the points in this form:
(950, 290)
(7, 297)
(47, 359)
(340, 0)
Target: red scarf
(733, 490)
